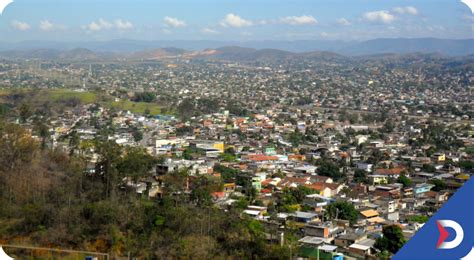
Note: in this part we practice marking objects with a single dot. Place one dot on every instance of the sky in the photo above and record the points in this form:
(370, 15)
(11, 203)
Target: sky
(230, 20)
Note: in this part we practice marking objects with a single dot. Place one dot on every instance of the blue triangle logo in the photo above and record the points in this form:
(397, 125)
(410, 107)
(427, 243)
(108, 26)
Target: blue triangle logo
(449, 234)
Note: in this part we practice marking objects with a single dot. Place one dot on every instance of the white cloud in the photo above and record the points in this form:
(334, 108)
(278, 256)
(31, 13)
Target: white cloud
(123, 25)
(379, 17)
(343, 22)
(406, 10)
(209, 31)
(103, 24)
(99, 25)
(299, 20)
(48, 26)
(232, 20)
(22, 26)
(174, 22)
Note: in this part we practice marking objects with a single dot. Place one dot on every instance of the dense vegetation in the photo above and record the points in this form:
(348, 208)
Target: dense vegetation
(391, 241)
(54, 101)
(48, 199)
(144, 97)
(342, 210)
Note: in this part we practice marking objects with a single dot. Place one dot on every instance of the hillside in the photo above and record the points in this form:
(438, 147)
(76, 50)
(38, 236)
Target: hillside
(451, 47)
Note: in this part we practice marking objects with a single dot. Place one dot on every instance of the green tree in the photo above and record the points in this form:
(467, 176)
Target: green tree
(428, 168)
(403, 179)
(360, 176)
(136, 163)
(438, 185)
(137, 135)
(109, 157)
(342, 210)
(296, 138)
(144, 97)
(25, 112)
(227, 174)
(392, 239)
(74, 141)
(330, 169)
(43, 132)
(418, 218)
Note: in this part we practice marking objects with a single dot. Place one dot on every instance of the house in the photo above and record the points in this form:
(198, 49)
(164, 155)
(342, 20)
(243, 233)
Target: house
(271, 182)
(256, 212)
(393, 216)
(438, 197)
(262, 158)
(422, 188)
(296, 157)
(310, 241)
(319, 178)
(369, 213)
(377, 178)
(209, 145)
(293, 182)
(363, 247)
(326, 230)
(391, 173)
(377, 144)
(387, 191)
(229, 187)
(311, 249)
(303, 217)
(358, 189)
(326, 189)
(413, 204)
(360, 139)
(316, 201)
(307, 169)
(348, 239)
(439, 157)
(365, 166)
(164, 145)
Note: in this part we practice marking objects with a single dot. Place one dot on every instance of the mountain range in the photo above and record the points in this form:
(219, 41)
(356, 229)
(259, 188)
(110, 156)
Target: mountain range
(448, 47)
(380, 49)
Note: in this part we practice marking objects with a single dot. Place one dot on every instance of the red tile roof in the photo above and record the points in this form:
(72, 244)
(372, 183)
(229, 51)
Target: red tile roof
(393, 171)
(262, 158)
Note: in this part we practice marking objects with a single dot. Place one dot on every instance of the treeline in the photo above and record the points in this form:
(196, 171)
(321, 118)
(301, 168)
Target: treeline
(144, 97)
(48, 199)
(189, 107)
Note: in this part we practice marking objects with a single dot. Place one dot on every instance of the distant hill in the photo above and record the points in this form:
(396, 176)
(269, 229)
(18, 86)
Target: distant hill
(323, 56)
(157, 54)
(46, 54)
(349, 48)
(243, 54)
(235, 53)
(79, 54)
(402, 46)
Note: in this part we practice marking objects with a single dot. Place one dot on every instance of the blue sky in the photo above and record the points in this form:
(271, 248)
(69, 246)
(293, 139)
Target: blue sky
(91, 20)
